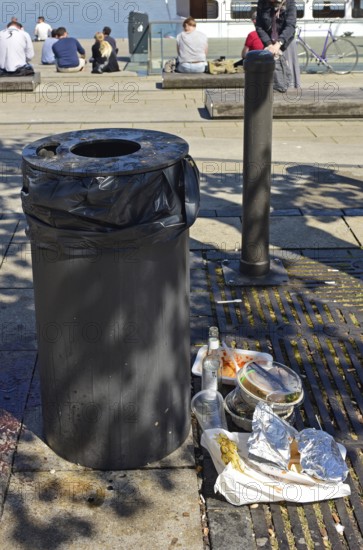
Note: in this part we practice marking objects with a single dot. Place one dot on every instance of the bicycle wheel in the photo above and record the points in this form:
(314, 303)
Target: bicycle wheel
(341, 56)
(302, 55)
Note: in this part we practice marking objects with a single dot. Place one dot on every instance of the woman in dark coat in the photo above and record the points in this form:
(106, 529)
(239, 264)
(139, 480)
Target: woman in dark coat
(104, 59)
(276, 25)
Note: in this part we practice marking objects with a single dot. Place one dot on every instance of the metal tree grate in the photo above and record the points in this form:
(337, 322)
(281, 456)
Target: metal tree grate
(315, 328)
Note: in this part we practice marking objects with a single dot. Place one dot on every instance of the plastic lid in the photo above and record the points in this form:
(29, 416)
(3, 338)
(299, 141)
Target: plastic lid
(105, 151)
(271, 381)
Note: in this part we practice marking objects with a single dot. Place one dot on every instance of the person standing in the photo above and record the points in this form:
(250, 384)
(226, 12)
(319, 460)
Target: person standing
(192, 47)
(276, 25)
(48, 57)
(42, 30)
(68, 52)
(16, 50)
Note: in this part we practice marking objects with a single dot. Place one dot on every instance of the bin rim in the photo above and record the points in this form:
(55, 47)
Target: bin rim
(156, 151)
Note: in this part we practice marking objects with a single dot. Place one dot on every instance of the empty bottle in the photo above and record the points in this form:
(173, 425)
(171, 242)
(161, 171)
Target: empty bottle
(213, 332)
(211, 367)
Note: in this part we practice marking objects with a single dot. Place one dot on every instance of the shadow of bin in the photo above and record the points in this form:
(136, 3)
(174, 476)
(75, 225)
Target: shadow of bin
(108, 213)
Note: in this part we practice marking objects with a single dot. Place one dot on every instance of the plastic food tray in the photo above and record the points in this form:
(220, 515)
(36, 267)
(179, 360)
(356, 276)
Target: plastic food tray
(246, 354)
(244, 420)
(280, 371)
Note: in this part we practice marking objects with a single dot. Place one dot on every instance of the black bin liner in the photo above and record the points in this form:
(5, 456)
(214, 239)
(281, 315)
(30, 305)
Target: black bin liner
(108, 213)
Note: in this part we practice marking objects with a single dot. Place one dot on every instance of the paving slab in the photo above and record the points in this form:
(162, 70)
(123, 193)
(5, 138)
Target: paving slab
(355, 224)
(225, 132)
(293, 184)
(8, 227)
(16, 267)
(16, 371)
(17, 320)
(10, 200)
(220, 233)
(292, 232)
(149, 509)
(321, 130)
(10, 427)
(322, 152)
(311, 232)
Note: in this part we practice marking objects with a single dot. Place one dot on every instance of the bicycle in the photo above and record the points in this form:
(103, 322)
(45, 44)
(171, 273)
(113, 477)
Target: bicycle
(339, 55)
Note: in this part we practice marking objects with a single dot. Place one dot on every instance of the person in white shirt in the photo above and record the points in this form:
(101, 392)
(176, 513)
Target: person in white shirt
(192, 47)
(16, 49)
(42, 30)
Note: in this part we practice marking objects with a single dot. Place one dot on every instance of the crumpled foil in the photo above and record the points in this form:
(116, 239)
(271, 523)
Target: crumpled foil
(270, 438)
(270, 442)
(320, 456)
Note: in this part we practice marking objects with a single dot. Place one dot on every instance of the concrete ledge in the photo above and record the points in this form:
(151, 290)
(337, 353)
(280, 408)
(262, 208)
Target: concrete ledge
(325, 102)
(203, 80)
(19, 83)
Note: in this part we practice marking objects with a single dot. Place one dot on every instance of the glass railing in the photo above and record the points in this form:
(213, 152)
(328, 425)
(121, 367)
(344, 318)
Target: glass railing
(221, 40)
(162, 43)
(226, 38)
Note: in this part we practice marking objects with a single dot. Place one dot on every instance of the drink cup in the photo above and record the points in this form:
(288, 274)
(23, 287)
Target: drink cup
(208, 407)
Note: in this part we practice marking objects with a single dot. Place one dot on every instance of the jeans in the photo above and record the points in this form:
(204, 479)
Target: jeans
(191, 67)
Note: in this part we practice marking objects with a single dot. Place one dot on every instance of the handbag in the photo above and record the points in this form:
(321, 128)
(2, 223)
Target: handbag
(170, 65)
(282, 74)
(221, 66)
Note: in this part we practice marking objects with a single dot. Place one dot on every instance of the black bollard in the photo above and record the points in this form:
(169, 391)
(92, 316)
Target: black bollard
(259, 67)
(254, 266)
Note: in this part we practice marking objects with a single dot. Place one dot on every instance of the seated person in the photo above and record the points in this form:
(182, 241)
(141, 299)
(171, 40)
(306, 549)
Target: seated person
(16, 50)
(253, 42)
(192, 47)
(48, 57)
(42, 30)
(104, 58)
(66, 51)
(107, 31)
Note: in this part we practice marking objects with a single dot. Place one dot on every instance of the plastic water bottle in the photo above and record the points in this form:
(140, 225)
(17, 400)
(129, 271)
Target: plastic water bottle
(211, 367)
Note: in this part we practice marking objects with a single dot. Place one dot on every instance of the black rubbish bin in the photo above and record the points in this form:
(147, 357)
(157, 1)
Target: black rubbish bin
(108, 212)
(138, 30)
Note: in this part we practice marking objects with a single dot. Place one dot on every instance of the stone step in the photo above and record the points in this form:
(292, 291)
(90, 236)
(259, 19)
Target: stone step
(203, 80)
(325, 101)
(19, 83)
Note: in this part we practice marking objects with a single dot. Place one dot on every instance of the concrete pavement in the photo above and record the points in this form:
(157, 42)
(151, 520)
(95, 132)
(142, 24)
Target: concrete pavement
(317, 180)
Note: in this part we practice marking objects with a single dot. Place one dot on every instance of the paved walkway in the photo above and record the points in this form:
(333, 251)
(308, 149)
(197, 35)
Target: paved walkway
(317, 229)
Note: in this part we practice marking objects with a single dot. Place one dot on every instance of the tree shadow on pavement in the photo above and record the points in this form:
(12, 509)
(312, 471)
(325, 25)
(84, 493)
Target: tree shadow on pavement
(139, 326)
(297, 187)
(300, 194)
